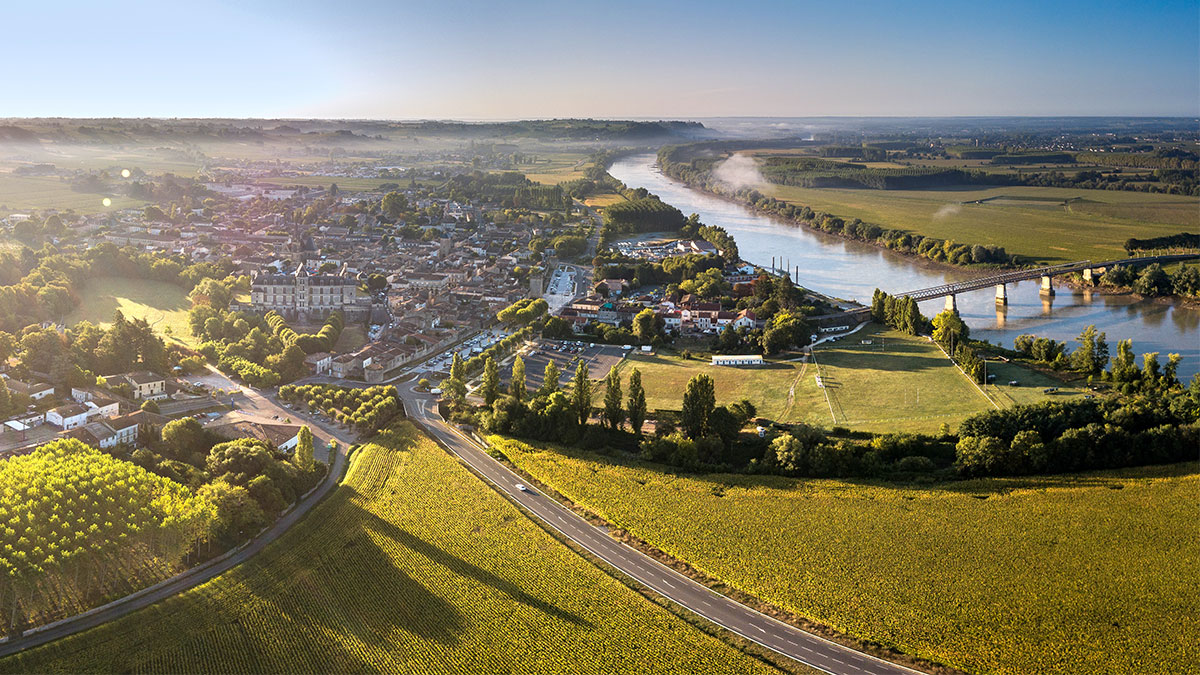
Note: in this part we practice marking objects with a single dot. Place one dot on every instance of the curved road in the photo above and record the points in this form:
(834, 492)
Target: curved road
(790, 641)
(263, 406)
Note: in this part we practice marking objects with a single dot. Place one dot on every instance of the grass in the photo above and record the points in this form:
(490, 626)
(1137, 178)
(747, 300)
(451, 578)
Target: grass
(897, 383)
(411, 565)
(600, 201)
(352, 338)
(25, 193)
(665, 377)
(1031, 221)
(1064, 574)
(161, 304)
(554, 168)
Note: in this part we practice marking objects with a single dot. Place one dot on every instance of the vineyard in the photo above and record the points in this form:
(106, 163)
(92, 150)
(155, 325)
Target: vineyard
(77, 525)
(1064, 574)
(364, 409)
(412, 565)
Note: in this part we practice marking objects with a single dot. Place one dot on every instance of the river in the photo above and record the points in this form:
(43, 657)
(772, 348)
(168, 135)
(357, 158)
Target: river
(853, 270)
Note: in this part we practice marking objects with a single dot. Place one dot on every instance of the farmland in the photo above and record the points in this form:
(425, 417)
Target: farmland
(1064, 574)
(1045, 224)
(161, 304)
(896, 383)
(25, 193)
(389, 575)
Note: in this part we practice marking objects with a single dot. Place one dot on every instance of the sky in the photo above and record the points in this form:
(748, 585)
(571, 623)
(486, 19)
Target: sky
(452, 59)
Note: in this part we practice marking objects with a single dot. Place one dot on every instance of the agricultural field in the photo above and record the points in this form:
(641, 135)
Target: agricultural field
(601, 201)
(555, 168)
(389, 575)
(163, 305)
(21, 194)
(1095, 573)
(1050, 225)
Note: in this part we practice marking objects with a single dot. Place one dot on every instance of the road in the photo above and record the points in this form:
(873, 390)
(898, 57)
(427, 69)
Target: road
(263, 407)
(804, 647)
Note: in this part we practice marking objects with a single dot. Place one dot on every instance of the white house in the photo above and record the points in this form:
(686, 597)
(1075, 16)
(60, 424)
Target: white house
(70, 416)
(145, 384)
(737, 360)
(35, 391)
(102, 407)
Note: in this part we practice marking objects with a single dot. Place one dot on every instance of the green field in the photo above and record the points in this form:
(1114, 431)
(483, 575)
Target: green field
(1067, 574)
(161, 304)
(20, 194)
(897, 383)
(412, 565)
(1029, 221)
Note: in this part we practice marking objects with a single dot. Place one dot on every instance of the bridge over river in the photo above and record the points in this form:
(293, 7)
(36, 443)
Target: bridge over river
(1000, 281)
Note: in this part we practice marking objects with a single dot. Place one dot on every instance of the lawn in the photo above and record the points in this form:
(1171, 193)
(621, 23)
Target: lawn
(896, 383)
(665, 377)
(1067, 574)
(412, 565)
(1031, 221)
(163, 305)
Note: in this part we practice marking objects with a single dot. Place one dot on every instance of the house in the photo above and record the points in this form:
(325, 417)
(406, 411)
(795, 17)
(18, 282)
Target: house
(69, 416)
(36, 391)
(102, 407)
(319, 363)
(144, 384)
(283, 436)
(746, 319)
(737, 360)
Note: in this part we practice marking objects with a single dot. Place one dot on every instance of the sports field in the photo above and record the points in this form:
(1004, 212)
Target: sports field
(163, 305)
(666, 376)
(896, 383)
(412, 565)
(1045, 224)
(1096, 573)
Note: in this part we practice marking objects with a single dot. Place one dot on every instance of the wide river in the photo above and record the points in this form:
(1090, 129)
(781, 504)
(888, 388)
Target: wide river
(853, 270)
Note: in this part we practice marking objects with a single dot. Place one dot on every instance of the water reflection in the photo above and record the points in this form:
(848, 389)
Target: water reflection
(852, 270)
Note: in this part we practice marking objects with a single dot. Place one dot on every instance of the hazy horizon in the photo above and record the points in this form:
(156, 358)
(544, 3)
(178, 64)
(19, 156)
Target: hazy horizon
(371, 59)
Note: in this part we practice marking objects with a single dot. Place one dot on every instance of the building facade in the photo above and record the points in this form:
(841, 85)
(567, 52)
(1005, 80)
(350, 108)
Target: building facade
(304, 293)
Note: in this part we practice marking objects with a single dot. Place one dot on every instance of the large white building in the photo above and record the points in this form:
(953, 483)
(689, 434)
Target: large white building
(303, 292)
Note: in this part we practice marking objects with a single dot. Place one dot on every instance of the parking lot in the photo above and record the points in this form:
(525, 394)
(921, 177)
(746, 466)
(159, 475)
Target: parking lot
(440, 364)
(566, 353)
(562, 288)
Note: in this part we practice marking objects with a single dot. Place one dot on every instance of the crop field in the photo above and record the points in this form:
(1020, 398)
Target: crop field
(600, 201)
(1095, 573)
(554, 168)
(24, 193)
(1045, 224)
(161, 304)
(412, 565)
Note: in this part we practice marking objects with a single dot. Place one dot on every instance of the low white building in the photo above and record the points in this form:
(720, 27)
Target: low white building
(70, 416)
(737, 360)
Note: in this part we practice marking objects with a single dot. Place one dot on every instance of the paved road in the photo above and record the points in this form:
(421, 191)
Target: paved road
(780, 637)
(263, 406)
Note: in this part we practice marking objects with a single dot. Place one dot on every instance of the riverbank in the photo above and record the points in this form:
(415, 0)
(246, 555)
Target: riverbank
(913, 256)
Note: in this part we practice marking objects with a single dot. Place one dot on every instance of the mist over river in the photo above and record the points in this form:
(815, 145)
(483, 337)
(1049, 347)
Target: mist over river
(852, 270)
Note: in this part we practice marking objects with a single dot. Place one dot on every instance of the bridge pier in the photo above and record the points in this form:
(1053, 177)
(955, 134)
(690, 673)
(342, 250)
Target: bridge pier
(1001, 294)
(1047, 286)
(951, 305)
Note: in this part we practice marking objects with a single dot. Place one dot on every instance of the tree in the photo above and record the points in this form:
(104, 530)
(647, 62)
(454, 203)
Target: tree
(949, 330)
(304, 450)
(5, 399)
(1152, 281)
(394, 204)
(699, 399)
(636, 407)
(151, 406)
(581, 394)
(458, 371)
(645, 325)
(185, 439)
(1092, 355)
(516, 386)
(550, 377)
(489, 384)
(613, 413)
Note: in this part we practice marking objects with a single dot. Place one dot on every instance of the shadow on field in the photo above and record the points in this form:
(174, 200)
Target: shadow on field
(466, 569)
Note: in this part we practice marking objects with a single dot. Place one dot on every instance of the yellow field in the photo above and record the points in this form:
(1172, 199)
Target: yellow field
(1066, 574)
(600, 201)
(413, 565)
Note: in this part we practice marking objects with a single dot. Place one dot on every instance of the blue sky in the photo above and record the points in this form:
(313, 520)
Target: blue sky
(500, 60)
